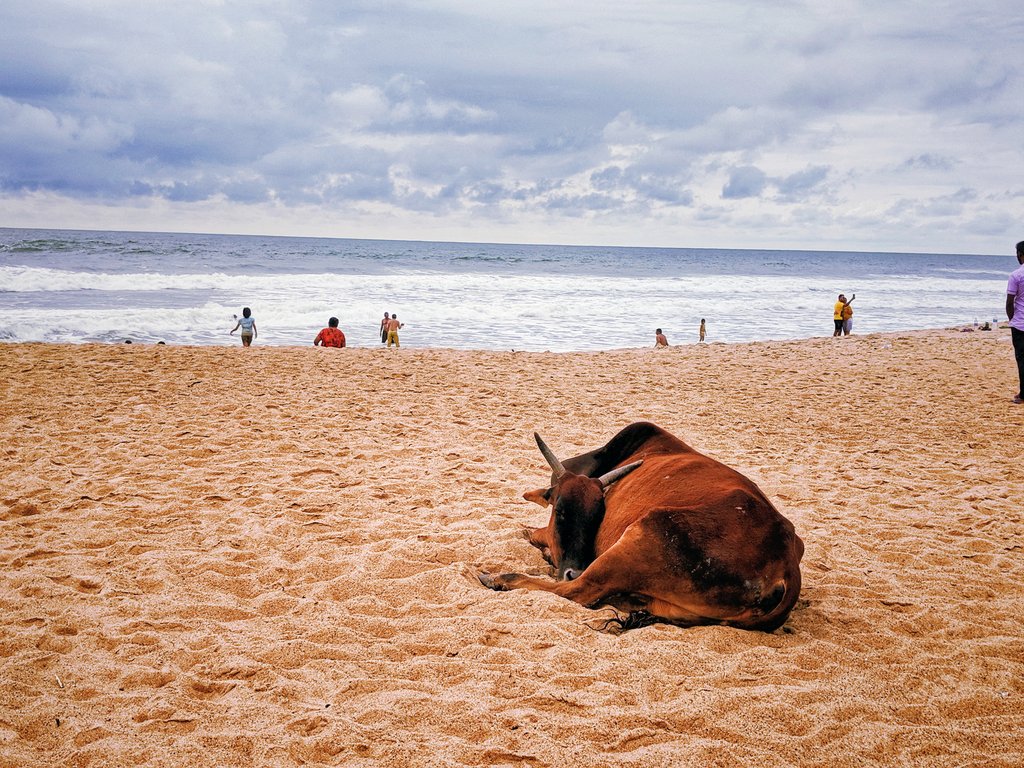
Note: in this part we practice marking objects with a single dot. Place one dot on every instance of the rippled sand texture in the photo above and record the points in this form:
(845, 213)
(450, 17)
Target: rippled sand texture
(218, 556)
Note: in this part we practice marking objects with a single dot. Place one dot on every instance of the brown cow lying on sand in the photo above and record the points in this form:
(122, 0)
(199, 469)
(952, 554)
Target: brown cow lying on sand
(679, 538)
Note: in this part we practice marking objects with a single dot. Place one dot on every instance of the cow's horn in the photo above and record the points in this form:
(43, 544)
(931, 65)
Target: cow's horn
(556, 465)
(617, 474)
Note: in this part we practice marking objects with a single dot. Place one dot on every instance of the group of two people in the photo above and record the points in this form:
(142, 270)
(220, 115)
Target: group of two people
(842, 315)
(389, 329)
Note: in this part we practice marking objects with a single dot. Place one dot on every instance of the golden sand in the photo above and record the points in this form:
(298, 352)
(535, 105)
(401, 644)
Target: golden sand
(228, 557)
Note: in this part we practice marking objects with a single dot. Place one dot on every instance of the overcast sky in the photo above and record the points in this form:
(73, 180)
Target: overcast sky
(859, 125)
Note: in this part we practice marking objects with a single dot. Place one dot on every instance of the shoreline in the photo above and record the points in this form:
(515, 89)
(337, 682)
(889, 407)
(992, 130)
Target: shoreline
(214, 559)
(964, 328)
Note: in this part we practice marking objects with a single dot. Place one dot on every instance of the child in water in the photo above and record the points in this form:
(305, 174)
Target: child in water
(248, 325)
(702, 329)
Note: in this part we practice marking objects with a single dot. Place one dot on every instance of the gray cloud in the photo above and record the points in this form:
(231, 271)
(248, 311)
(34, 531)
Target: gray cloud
(929, 161)
(745, 181)
(797, 185)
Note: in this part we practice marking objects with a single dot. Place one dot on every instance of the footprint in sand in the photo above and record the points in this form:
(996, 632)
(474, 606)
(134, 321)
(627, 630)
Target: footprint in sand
(80, 584)
(206, 689)
(308, 726)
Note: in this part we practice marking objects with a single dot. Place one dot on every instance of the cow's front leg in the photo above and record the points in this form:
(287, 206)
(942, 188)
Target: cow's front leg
(503, 582)
(613, 573)
(583, 590)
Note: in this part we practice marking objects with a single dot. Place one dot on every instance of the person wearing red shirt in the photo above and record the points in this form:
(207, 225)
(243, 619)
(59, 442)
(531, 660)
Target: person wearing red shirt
(331, 336)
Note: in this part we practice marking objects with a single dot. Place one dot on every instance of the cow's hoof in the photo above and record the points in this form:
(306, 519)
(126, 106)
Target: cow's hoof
(490, 581)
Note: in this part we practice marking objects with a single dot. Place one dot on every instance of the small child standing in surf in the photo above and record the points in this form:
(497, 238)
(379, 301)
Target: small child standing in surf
(248, 325)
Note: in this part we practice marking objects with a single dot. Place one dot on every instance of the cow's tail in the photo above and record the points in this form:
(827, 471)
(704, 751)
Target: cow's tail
(619, 623)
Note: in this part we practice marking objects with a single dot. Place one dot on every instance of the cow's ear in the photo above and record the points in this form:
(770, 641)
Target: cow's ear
(541, 496)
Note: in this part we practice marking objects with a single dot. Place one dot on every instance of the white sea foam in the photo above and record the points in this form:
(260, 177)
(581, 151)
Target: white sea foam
(498, 297)
(18, 279)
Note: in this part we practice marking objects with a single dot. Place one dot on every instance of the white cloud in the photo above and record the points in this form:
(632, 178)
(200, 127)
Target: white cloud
(25, 125)
(359, 106)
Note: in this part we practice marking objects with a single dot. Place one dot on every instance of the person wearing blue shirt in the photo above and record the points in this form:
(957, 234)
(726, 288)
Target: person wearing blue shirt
(248, 325)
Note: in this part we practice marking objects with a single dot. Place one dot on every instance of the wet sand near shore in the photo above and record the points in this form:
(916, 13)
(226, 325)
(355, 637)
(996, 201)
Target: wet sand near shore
(217, 556)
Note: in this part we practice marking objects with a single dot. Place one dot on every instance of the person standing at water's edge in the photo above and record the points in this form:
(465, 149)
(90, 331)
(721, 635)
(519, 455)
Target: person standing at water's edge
(837, 315)
(848, 316)
(384, 328)
(393, 326)
(1015, 312)
(248, 325)
(331, 336)
(840, 313)
(703, 330)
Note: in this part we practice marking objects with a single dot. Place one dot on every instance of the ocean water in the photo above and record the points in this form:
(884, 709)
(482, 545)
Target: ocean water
(84, 286)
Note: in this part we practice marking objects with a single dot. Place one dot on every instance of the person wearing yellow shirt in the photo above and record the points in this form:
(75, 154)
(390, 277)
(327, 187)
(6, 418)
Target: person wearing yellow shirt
(848, 317)
(841, 312)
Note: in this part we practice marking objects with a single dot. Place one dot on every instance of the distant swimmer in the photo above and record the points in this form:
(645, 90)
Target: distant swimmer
(331, 336)
(384, 328)
(659, 338)
(248, 325)
(393, 326)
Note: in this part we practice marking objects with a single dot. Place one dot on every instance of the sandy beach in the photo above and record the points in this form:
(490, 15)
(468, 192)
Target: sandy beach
(212, 556)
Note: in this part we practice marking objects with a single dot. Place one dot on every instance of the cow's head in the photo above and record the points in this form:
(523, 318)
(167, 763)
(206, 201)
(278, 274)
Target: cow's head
(577, 509)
